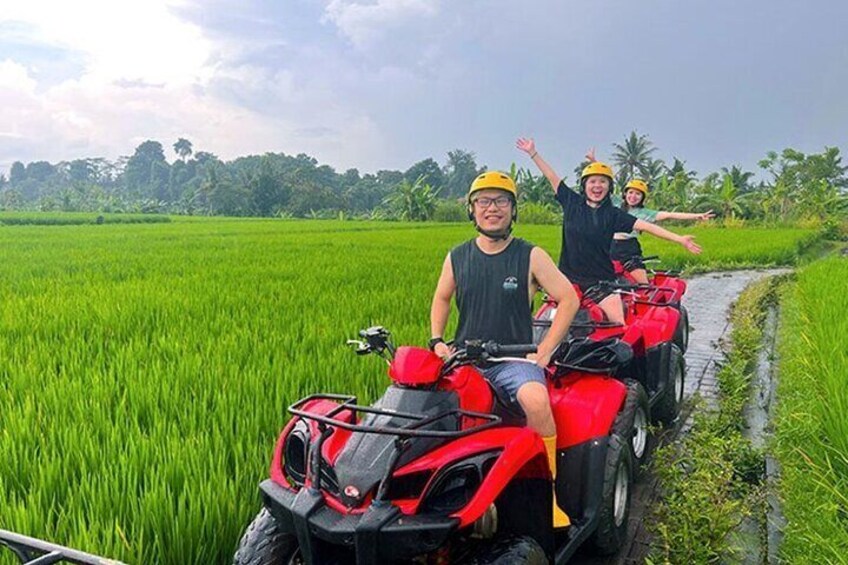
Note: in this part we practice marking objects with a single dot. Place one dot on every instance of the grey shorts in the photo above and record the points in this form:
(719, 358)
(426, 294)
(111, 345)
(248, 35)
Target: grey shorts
(509, 376)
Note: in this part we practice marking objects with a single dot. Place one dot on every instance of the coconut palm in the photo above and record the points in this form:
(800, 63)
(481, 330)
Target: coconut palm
(632, 157)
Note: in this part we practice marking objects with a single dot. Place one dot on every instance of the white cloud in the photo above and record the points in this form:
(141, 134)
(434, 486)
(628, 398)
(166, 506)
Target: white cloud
(148, 75)
(139, 40)
(15, 77)
(363, 23)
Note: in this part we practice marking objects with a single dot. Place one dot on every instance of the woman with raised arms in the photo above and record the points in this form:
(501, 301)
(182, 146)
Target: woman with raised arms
(589, 221)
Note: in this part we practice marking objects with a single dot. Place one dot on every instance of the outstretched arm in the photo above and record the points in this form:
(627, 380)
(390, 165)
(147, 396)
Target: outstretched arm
(529, 147)
(687, 241)
(684, 216)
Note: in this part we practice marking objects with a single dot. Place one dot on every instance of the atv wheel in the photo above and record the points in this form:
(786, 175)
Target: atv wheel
(615, 499)
(506, 551)
(668, 407)
(681, 332)
(632, 423)
(264, 544)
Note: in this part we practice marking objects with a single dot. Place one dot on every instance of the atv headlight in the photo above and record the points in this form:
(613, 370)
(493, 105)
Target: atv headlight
(456, 485)
(295, 452)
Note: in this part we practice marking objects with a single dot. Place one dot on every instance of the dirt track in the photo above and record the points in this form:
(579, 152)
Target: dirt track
(708, 299)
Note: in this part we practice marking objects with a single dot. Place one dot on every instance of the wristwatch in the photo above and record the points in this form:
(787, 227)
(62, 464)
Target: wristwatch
(431, 345)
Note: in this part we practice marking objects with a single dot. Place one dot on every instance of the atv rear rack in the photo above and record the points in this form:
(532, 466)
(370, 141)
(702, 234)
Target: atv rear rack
(32, 551)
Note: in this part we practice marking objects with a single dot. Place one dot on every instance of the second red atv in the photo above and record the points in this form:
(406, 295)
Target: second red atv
(438, 470)
(657, 364)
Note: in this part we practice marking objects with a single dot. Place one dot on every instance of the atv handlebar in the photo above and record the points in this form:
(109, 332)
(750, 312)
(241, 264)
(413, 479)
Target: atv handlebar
(476, 350)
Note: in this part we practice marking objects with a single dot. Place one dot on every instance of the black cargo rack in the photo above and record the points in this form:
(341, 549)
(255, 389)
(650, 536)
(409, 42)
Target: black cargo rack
(33, 551)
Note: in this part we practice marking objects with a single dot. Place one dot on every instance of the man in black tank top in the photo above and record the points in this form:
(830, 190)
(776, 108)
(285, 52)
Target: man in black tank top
(494, 278)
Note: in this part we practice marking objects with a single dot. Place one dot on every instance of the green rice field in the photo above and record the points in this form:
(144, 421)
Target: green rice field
(812, 420)
(145, 368)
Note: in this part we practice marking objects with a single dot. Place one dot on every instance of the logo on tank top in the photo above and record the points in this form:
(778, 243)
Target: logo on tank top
(510, 284)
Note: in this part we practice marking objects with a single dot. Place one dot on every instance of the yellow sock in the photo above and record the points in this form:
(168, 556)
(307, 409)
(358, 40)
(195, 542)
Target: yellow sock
(561, 519)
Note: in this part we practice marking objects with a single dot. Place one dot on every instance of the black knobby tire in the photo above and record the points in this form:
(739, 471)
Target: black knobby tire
(611, 532)
(668, 407)
(681, 332)
(523, 550)
(264, 544)
(633, 425)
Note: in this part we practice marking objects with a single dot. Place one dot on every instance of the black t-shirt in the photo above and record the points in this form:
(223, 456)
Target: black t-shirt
(587, 235)
(492, 293)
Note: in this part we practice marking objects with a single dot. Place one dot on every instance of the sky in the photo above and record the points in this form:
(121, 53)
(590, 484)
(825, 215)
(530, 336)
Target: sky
(382, 84)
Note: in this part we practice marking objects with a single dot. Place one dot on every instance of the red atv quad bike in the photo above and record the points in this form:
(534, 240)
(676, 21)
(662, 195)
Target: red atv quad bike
(655, 373)
(439, 470)
(664, 287)
(33, 551)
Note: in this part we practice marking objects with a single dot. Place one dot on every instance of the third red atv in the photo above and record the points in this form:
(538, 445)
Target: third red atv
(664, 287)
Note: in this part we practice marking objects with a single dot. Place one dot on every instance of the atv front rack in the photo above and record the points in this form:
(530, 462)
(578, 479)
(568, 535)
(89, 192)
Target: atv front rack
(412, 430)
(32, 551)
(327, 423)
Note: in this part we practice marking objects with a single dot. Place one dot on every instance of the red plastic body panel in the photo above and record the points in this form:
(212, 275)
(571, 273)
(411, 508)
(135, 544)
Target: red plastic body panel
(585, 406)
(331, 447)
(474, 392)
(657, 323)
(522, 454)
(414, 366)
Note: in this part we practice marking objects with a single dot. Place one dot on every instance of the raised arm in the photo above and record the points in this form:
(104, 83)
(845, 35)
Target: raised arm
(687, 241)
(559, 288)
(529, 147)
(684, 216)
(440, 308)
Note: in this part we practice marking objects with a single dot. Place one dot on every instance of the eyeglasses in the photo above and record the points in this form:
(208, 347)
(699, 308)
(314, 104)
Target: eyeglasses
(500, 202)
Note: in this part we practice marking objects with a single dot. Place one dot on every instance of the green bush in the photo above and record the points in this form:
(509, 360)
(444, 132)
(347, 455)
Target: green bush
(450, 211)
(533, 213)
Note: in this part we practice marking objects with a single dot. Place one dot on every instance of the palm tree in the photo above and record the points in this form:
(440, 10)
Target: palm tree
(183, 148)
(741, 179)
(632, 157)
(654, 170)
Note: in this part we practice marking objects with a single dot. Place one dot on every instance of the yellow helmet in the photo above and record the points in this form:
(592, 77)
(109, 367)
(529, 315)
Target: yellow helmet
(493, 179)
(499, 181)
(597, 168)
(639, 185)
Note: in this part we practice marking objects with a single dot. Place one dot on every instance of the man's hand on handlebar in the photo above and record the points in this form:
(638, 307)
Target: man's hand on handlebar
(444, 350)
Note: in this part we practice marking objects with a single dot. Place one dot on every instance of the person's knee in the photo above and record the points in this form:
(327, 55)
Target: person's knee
(613, 309)
(534, 400)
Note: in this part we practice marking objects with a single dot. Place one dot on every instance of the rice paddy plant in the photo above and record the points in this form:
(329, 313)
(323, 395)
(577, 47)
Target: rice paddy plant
(812, 419)
(145, 369)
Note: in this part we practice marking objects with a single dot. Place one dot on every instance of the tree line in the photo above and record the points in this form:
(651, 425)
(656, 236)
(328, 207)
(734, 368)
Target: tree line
(798, 187)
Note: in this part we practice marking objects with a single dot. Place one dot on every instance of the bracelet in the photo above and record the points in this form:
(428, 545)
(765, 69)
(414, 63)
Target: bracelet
(533, 156)
(431, 345)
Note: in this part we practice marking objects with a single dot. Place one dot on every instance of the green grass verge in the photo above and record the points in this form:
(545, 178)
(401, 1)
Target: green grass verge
(77, 218)
(811, 438)
(709, 479)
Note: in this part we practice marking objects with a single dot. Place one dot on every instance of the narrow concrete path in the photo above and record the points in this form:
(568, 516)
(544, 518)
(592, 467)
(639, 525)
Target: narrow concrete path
(708, 299)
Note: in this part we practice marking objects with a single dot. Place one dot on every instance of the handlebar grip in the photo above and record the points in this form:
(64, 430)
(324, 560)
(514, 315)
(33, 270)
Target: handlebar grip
(520, 349)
